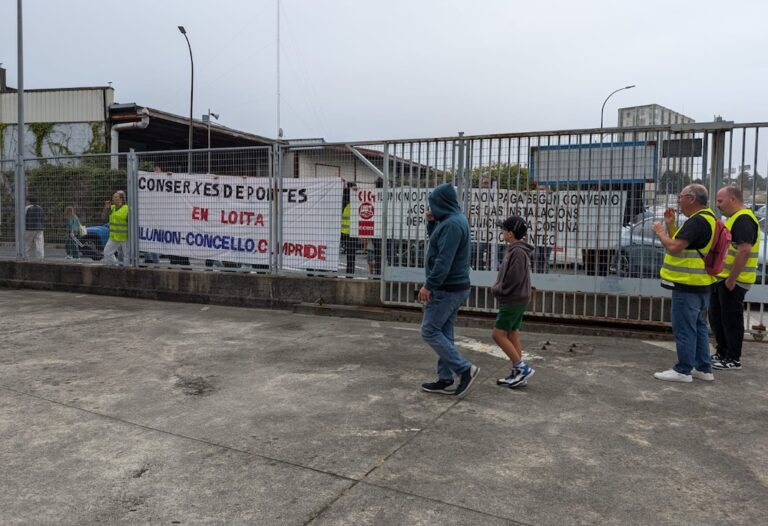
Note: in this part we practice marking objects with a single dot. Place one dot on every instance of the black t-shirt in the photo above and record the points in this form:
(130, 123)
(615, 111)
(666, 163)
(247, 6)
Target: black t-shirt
(696, 231)
(744, 230)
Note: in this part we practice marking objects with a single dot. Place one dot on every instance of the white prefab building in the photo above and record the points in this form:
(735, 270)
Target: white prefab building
(650, 115)
(76, 120)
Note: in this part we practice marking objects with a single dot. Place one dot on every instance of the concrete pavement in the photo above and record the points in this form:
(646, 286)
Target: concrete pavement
(125, 411)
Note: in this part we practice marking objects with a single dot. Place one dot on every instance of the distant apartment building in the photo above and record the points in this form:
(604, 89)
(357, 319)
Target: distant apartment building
(650, 115)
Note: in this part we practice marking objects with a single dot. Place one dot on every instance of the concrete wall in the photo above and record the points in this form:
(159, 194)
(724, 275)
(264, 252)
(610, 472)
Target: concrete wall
(220, 288)
(568, 313)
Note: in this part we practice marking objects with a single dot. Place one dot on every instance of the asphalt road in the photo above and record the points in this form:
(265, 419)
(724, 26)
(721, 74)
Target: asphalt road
(123, 411)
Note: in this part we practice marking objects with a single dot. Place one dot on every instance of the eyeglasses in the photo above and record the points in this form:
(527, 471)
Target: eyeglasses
(684, 195)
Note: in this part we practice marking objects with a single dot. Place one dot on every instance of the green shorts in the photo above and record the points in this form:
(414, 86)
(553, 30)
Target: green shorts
(510, 318)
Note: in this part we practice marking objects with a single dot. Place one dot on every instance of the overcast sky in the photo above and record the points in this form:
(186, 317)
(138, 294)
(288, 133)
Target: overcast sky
(360, 69)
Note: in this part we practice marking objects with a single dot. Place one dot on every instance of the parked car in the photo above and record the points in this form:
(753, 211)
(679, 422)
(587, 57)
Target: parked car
(640, 253)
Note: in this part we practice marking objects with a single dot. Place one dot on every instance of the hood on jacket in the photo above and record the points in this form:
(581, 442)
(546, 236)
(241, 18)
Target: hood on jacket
(443, 201)
(522, 245)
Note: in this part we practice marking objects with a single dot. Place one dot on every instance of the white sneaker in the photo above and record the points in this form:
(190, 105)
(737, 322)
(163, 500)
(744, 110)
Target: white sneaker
(707, 377)
(673, 376)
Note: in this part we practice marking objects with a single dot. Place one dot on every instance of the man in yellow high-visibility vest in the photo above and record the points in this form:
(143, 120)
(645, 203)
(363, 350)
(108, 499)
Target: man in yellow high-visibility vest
(726, 303)
(683, 272)
(347, 241)
(117, 212)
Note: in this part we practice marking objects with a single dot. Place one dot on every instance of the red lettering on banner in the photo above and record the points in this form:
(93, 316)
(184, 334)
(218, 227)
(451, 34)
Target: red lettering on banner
(262, 246)
(366, 195)
(199, 214)
(365, 228)
(306, 251)
(366, 210)
(240, 217)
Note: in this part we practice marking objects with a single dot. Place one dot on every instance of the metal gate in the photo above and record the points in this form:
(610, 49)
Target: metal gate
(590, 197)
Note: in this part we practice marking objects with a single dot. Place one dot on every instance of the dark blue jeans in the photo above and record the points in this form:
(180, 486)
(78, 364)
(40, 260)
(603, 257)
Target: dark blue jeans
(689, 325)
(437, 330)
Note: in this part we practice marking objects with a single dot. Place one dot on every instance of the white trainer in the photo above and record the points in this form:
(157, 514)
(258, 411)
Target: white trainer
(707, 377)
(673, 376)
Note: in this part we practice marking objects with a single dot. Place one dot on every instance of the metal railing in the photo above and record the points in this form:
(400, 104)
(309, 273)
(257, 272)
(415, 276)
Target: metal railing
(357, 209)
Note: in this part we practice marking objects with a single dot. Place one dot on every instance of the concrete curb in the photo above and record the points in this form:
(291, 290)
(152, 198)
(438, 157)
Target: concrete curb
(325, 297)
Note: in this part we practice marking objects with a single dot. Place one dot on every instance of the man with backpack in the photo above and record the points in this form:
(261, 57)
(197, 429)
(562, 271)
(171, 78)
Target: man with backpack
(726, 304)
(685, 272)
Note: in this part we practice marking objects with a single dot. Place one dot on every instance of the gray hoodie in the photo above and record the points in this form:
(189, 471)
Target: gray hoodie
(513, 284)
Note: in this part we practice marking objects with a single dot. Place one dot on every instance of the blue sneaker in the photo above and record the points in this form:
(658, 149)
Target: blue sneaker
(511, 376)
(467, 378)
(439, 387)
(523, 373)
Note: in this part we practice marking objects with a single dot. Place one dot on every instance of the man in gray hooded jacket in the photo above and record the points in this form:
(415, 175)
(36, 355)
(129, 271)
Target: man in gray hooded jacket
(446, 289)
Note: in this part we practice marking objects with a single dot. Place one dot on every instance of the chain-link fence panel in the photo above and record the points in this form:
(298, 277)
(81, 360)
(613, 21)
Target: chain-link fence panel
(352, 175)
(212, 209)
(65, 215)
(7, 209)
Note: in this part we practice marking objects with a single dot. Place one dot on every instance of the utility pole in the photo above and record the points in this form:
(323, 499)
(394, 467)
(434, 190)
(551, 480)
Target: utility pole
(21, 197)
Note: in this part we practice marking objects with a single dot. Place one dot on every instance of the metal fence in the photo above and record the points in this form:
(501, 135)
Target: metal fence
(357, 209)
(590, 198)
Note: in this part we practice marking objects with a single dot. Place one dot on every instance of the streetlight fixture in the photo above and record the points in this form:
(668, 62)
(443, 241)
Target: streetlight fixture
(207, 119)
(191, 96)
(606, 100)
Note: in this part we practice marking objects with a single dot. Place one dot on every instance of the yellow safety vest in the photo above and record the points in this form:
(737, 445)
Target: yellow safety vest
(118, 223)
(345, 219)
(687, 267)
(748, 274)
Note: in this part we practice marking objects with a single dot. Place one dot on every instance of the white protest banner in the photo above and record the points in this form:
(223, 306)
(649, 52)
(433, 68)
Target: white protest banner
(580, 219)
(586, 219)
(406, 212)
(227, 218)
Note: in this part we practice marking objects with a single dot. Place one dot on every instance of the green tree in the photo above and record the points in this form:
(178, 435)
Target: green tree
(760, 182)
(505, 175)
(672, 182)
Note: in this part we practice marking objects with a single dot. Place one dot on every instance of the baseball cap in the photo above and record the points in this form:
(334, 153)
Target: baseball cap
(514, 224)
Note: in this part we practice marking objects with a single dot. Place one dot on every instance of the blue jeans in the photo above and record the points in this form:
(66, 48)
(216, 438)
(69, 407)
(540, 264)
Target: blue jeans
(437, 330)
(689, 325)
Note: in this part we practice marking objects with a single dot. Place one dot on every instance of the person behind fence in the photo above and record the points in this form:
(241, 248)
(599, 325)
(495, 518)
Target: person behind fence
(376, 240)
(684, 272)
(445, 289)
(116, 211)
(370, 251)
(512, 291)
(34, 225)
(726, 302)
(348, 242)
(72, 245)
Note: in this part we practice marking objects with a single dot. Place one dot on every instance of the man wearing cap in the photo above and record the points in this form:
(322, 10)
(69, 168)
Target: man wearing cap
(446, 289)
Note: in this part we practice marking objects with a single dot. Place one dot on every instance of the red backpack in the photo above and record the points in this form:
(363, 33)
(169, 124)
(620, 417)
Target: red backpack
(714, 261)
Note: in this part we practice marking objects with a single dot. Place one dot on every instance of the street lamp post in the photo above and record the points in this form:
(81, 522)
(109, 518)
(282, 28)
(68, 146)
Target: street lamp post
(191, 96)
(207, 119)
(606, 100)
